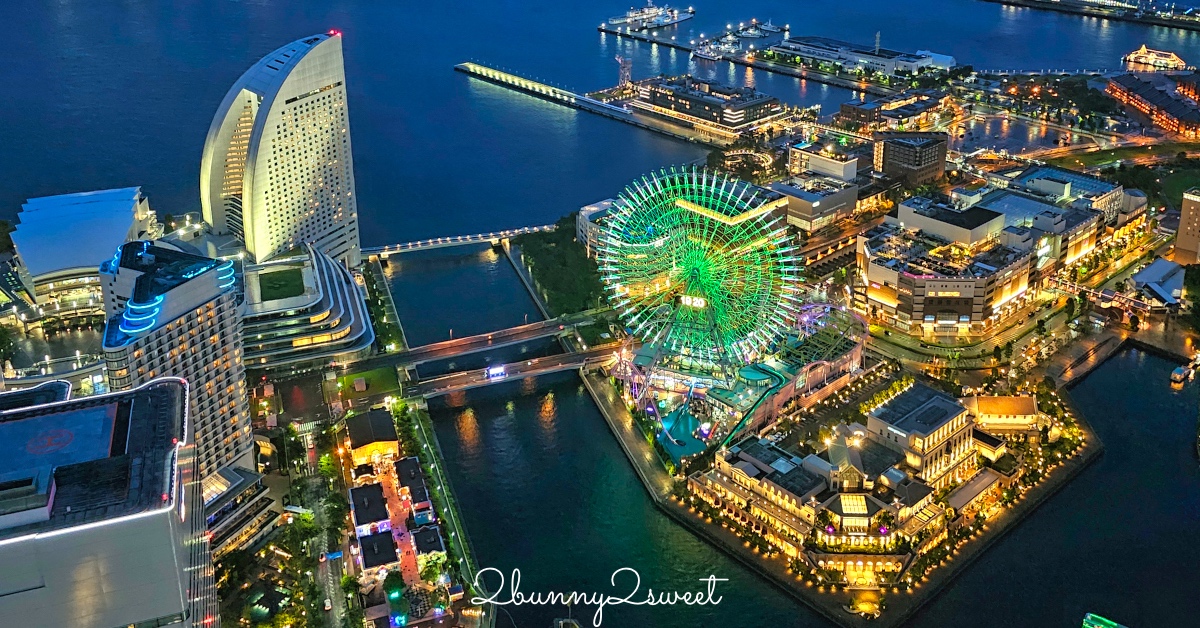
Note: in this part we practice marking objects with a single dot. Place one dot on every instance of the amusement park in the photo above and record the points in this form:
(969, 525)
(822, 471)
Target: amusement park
(763, 405)
(706, 276)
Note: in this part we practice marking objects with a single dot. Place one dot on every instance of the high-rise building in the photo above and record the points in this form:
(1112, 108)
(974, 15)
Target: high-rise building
(173, 313)
(277, 170)
(1187, 240)
(100, 507)
(914, 157)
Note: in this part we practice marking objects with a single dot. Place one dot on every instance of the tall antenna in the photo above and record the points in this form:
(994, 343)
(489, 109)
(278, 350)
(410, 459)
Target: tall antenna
(625, 76)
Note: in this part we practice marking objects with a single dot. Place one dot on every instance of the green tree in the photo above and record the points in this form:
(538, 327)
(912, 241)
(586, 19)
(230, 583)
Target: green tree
(393, 583)
(1070, 308)
(1041, 326)
(430, 566)
(336, 508)
(997, 353)
(8, 341)
(327, 467)
(350, 585)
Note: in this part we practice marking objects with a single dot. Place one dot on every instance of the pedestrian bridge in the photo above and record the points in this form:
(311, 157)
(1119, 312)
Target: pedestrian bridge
(493, 238)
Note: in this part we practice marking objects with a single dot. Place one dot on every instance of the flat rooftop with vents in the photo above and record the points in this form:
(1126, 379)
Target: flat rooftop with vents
(920, 410)
(97, 509)
(368, 504)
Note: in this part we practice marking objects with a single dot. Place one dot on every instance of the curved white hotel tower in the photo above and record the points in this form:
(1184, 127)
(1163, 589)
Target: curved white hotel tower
(277, 170)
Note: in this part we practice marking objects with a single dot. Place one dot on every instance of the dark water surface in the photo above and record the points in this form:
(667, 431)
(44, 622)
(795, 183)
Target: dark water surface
(105, 94)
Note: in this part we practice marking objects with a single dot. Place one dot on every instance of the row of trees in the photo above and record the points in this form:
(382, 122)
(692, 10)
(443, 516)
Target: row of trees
(568, 278)
(883, 396)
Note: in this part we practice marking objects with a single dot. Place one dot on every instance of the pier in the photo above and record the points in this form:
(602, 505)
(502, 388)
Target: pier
(759, 64)
(571, 99)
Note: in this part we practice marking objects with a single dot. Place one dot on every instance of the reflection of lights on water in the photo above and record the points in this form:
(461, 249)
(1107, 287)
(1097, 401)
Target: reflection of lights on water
(548, 411)
(468, 429)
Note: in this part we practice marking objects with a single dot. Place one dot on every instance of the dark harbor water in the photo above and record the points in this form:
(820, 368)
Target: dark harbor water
(546, 489)
(105, 94)
(457, 292)
(1119, 541)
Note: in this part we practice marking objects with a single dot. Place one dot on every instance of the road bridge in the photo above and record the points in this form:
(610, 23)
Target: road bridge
(482, 342)
(466, 380)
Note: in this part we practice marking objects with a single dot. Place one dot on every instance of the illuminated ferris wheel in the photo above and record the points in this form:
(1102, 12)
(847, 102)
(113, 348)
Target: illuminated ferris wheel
(701, 267)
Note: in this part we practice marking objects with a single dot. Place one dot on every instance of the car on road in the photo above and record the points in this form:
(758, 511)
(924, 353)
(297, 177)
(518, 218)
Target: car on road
(328, 604)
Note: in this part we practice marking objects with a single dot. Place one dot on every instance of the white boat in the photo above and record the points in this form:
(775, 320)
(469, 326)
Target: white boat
(771, 28)
(706, 52)
(730, 38)
(651, 16)
(752, 32)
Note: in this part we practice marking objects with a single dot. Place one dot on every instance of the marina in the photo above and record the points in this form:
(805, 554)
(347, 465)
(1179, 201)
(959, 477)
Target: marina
(651, 16)
(727, 48)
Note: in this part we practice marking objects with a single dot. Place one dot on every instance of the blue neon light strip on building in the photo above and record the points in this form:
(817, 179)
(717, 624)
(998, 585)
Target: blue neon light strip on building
(140, 317)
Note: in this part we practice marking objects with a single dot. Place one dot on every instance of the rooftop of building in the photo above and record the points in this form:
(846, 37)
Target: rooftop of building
(373, 426)
(409, 472)
(91, 459)
(1010, 405)
(1082, 184)
(711, 91)
(378, 550)
(763, 452)
(1018, 208)
(853, 505)
(225, 485)
(796, 481)
(988, 440)
(269, 73)
(835, 44)
(923, 254)
(1159, 98)
(965, 494)
(967, 218)
(834, 146)
(71, 231)
(162, 268)
(919, 410)
(286, 283)
(912, 138)
(810, 188)
(597, 211)
(46, 392)
(908, 492)
(428, 539)
(369, 504)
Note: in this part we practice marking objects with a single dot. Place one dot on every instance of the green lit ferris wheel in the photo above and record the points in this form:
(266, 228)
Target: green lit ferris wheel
(700, 267)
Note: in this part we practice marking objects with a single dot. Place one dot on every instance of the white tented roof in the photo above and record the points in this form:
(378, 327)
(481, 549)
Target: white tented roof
(69, 231)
